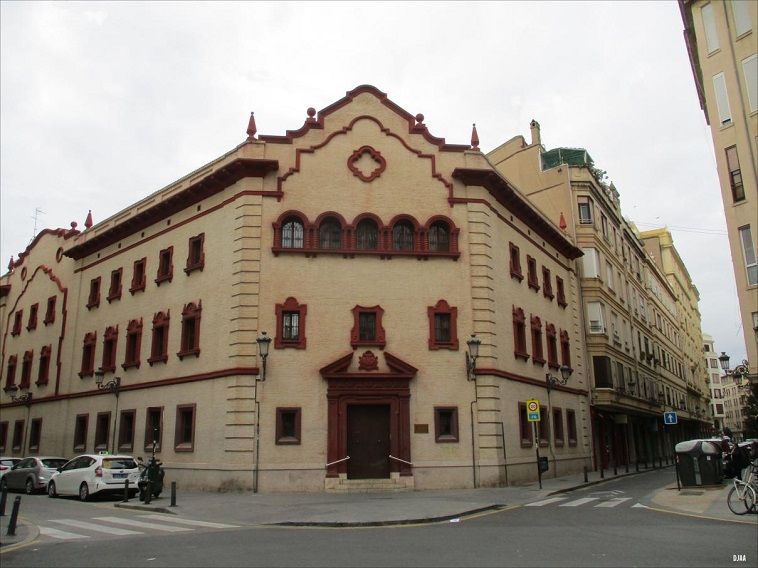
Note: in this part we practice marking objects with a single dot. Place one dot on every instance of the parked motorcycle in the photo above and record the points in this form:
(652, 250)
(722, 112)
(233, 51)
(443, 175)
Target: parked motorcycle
(151, 475)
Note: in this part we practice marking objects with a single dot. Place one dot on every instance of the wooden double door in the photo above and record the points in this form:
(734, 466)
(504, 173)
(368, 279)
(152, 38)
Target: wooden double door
(368, 441)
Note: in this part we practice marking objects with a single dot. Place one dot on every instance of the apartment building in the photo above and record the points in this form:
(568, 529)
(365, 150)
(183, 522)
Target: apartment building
(716, 383)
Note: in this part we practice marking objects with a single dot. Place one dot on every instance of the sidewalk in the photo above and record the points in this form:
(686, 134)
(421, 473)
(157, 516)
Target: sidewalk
(376, 509)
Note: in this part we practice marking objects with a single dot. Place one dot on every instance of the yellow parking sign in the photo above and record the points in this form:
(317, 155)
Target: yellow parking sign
(533, 410)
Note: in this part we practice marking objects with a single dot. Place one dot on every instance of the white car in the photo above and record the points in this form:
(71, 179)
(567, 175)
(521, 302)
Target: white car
(91, 474)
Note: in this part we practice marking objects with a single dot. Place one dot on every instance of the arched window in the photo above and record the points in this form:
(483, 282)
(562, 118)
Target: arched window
(367, 234)
(402, 236)
(292, 233)
(439, 237)
(330, 234)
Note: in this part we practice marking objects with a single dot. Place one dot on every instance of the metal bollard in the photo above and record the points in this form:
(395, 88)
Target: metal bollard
(14, 517)
(637, 465)
(615, 469)
(627, 466)
(602, 472)
(126, 491)
(148, 492)
(173, 494)
(3, 499)
(585, 474)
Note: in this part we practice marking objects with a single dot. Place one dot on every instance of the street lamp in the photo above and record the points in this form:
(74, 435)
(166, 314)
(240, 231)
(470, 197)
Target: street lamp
(109, 386)
(738, 373)
(471, 356)
(552, 381)
(263, 342)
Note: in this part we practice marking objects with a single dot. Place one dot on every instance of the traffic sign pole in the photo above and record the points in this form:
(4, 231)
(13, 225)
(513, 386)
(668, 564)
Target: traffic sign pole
(537, 449)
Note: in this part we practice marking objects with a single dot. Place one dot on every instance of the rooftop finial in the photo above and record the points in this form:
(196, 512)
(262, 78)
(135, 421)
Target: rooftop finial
(311, 112)
(88, 222)
(474, 138)
(251, 128)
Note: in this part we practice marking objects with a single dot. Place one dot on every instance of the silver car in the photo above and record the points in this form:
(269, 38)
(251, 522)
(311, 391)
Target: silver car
(31, 474)
(6, 464)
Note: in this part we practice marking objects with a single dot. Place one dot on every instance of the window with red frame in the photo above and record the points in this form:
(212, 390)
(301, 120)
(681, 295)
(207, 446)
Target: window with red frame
(159, 343)
(35, 434)
(403, 234)
(288, 429)
(519, 334)
(531, 267)
(195, 253)
(438, 237)
(88, 355)
(153, 428)
(110, 343)
(558, 437)
(537, 352)
(50, 311)
(26, 369)
(102, 431)
(515, 263)
(133, 344)
(93, 300)
(565, 349)
(571, 425)
(139, 276)
(17, 322)
(10, 371)
(32, 323)
(43, 374)
(3, 435)
(165, 266)
(114, 291)
(126, 430)
(552, 346)
(561, 292)
(291, 233)
(547, 285)
(80, 432)
(525, 427)
(367, 235)
(184, 434)
(330, 234)
(190, 344)
(443, 324)
(367, 327)
(543, 429)
(290, 325)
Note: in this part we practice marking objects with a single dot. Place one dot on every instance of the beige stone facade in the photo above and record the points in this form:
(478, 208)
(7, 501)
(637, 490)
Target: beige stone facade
(370, 251)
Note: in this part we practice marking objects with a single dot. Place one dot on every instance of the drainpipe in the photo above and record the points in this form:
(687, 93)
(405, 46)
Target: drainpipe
(473, 443)
(257, 436)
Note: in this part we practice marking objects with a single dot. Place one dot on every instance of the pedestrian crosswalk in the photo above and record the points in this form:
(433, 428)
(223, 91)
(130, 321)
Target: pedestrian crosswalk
(590, 501)
(76, 529)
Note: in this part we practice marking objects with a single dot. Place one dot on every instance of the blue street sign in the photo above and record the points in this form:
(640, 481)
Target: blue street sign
(670, 418)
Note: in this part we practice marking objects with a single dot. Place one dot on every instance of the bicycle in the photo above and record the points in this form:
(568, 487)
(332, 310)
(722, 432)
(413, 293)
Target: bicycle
(743, 496)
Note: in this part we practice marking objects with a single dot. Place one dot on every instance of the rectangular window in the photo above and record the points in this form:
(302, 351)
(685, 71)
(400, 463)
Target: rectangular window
(552, 346)
(184, 435)
(558, 437)
(165, 266)
(722, 100)
(719, 408)
(3, 436)
(126, 430)
(290, 326)
(114, 290)
(80, 432)
(741, 11)
(443, 321)
(43, 374)
(525, 427)
(537, 353)
(26, 369)
(547, 284)
(603, 374)
(750, 73)
(288, 426)
(102, 431)
(442, 328)
(190, 343)
(17, 322)
(571, 426)
(560, 291)
(519, 334)
(139, 276)
(153, 428)
(604, 227)
(609, 275)
(367, 326)
(35, 434)
(445, 424)
(88, 355)
(585, 210)
(515, 262)
(748, 253)
(709, 24)
(735, 174)
(595, 317)
(195, 254)
(18, 436)
(32, 324)
(531, 267)
(93, 300)
(159, 345)
(110, 342)
(50, 311)
(543, 428)
(133, 344)
(590, 263)
(565, 349)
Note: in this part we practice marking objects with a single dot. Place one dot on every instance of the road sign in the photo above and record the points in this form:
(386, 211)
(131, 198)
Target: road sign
(533, 410)
(670, 418)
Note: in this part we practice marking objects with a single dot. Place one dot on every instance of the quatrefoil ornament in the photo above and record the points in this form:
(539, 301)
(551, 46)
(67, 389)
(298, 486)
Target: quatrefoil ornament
(366, 163)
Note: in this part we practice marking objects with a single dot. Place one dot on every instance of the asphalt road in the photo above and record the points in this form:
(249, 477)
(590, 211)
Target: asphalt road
(605, 525)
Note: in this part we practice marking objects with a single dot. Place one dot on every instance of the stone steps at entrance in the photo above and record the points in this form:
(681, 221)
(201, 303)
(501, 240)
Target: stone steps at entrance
(394, 484)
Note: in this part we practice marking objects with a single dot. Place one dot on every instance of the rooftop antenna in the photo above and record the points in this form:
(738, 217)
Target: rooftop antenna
(37, 212)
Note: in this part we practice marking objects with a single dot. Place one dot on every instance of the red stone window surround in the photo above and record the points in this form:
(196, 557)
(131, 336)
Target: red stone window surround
(81, 424)
(290, 324)
(367, 327)
(10, 372)
(190, 344)
(18, 319)
(288, 426)
(88, 355)
(552, 346)
(565, 349)
(515, 262)
(571, 426)
(32, 323)
(443, 326)
(159, 344)
(133, 344)
(35, 435)
(535, 324)
(43, 374)
(526, 430)
(558, 435)
(93, 300)
(126, 428)
(26, 369)
(446, 424)
(195, 254)
(139, 276)
(18, 436)
(531, 267)
(184, 432)
(153, 428)
(50, 311)
(110, 343)
(114, 290)
(519, 334)
(165, 266)
(366, 235)
(547, 285)
(560, 291)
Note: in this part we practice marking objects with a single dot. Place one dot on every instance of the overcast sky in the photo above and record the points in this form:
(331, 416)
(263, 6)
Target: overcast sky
(104, 103)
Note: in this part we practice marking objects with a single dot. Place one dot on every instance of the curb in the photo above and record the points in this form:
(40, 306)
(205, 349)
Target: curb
(698, 516)
(144, 508)
(604, 480)
(31, 537)
(419, 521)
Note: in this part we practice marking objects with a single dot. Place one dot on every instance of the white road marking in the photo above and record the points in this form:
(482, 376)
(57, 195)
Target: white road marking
(578, 502)
(545, 502)
(189, 522)
(613, 502)
(94, 527)
(140, 524)
(640, 505)
(63, 535)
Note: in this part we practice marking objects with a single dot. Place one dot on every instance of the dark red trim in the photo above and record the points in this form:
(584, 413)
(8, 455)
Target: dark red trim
(375, 155)
(442, 307)
(379, 336)
(65, 233)
(290, 305)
